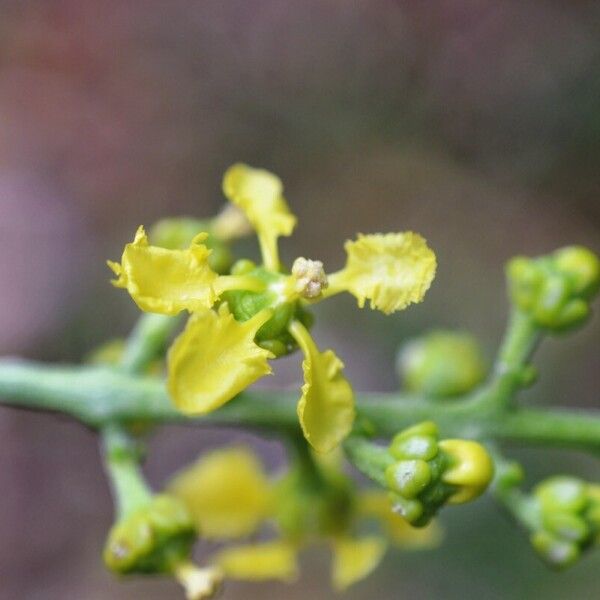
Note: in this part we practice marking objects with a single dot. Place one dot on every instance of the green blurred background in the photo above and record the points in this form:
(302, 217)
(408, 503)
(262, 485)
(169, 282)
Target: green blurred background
(476, 123)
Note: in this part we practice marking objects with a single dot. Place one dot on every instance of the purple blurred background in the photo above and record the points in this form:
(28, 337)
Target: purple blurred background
(476, 123)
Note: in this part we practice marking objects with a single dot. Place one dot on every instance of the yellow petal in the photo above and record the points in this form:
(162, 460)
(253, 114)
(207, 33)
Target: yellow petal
(376, 504)
(260, 195)
(215, 358)
(391, 270)
(166, 281)
(226, 492)
(257, 562)
(326, 408)
(355, 559)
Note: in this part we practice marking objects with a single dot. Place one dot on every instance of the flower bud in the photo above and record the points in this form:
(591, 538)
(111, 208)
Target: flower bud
(152, 539)
(441, 364)
(471, 469)
(555, 290)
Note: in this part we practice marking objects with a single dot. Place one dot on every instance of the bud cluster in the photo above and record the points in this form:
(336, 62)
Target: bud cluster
(428, 472)
(555, 290)
(569, 519)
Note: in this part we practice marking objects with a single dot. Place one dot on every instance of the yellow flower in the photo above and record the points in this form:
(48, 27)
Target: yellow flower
(260, 195)
(391, 270)
(257, 562)
(166, 281)
(197, 382)
(326, 408)
(226, 492)
(221, 353)
(471, 471)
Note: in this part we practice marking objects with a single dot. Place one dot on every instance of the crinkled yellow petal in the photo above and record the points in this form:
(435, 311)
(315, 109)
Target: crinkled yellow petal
(166, 281)
(390, 270)
(215, 358)
(376, 504)
(258, 562)
(355, 559)
(226, 492)
(326, 407)
(260, 195)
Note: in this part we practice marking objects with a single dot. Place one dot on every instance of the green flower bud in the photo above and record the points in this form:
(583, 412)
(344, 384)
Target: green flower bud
(582, 267)
(410, 510)
(154, 538)
(555, 290)
(553, 550)
(177, 234)
(566, 526)
(442, 364)
(417, 446)
(562, 493)
(408, 477)
(428, 428)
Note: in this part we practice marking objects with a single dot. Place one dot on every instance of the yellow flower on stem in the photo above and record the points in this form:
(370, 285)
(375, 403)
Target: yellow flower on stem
(222, 352)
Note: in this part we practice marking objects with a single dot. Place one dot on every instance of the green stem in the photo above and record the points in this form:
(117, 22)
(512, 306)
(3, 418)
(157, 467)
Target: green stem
(520, 506)
(305, 461)
(510, 369)
(100, 395)
(368, 458)
(122, 464)
(148, 341)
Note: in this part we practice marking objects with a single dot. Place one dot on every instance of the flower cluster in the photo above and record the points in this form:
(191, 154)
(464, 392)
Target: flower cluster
(257, 312)
(230, 497)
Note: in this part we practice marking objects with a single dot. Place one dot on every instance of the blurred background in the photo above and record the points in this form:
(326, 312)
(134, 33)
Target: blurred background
(474, 122)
